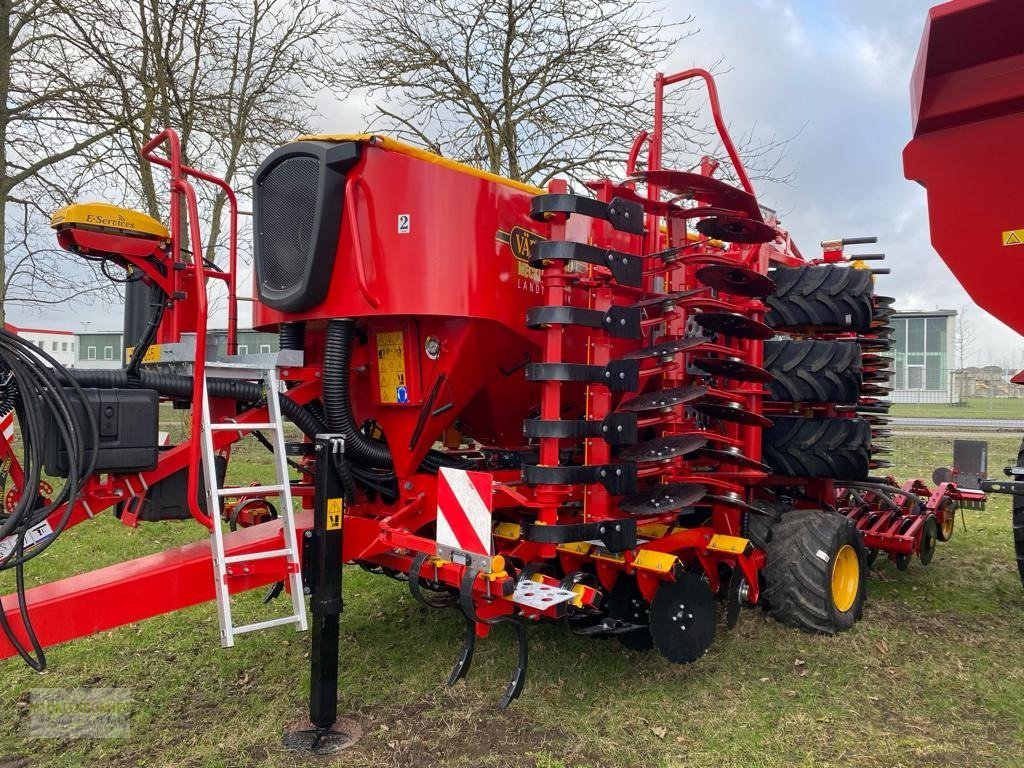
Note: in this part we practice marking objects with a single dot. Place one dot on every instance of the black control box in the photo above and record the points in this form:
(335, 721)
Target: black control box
(128, 423)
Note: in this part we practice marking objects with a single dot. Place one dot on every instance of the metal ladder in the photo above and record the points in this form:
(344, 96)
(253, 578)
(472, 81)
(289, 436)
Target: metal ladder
(282, 489)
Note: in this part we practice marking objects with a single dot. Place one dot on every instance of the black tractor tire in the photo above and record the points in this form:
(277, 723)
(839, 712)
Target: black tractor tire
(1018, 521)
(802, 587)
(825, 297)
(839, 449)
(760, 527)
(813, 371)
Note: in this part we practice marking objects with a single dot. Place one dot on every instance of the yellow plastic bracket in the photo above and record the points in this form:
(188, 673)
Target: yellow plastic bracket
(509, 531)
(734, 545)
(581, 548)
(649, 560)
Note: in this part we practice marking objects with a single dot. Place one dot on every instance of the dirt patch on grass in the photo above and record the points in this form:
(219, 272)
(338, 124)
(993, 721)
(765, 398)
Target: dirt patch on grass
(456, 728)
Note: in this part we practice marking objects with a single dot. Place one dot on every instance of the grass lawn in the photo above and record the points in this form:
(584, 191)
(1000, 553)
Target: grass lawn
(932, 676)
(972, 408)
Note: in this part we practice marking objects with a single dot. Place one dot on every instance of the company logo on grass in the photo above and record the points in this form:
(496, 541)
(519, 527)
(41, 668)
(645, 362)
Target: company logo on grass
(79, 713)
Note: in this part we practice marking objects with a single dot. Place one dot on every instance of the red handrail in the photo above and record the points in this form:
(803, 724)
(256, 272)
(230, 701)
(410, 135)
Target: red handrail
(181, 187)
(654, 143)
(660, 82)
(178, 171)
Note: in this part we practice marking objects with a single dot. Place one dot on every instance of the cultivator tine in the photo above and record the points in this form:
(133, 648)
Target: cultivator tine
(465, 659)
(518, 679)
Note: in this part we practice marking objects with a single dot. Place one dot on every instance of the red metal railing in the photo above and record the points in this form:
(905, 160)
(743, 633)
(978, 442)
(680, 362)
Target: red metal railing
(180, 187)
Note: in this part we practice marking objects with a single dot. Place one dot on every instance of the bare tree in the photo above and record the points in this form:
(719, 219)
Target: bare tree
(49, 96)
(965, 342)
(530, 89)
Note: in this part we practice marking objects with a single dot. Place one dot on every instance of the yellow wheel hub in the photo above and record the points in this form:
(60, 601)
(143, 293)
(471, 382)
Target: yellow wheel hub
(845, 577)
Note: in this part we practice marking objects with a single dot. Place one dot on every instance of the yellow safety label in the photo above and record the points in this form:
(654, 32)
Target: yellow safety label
(335, 510)
(391, 367)
(152, 354)
(1013, 237)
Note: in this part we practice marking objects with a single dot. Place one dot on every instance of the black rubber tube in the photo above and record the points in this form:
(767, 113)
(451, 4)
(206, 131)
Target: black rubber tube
(170, 385)
(337, 403)
(292, 335)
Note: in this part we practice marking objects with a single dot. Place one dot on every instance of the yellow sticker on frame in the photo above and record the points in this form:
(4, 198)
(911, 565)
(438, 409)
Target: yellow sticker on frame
(335, 512)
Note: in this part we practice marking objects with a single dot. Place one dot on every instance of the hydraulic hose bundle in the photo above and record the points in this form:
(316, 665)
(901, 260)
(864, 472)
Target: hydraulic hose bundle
(33, 385)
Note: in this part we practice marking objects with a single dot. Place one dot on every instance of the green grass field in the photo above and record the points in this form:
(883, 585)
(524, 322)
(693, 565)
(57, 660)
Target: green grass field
(971, 408)
(931, 677)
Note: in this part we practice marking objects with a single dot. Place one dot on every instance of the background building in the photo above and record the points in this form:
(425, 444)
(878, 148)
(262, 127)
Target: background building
(924, 357)
(58, 344)
(99, 349)
(105, 349)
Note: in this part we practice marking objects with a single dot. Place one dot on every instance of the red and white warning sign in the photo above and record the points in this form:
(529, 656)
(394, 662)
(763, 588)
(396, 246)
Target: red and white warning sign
(7, 426)
(465, 501)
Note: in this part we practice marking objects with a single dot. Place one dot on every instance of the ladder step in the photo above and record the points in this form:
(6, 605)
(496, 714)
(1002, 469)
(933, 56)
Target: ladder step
(256, 556)
(250, 490)
(233, 427)
(257, 625)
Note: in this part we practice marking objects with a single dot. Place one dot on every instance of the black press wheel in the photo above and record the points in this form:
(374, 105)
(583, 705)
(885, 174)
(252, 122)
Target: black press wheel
(946, 514)
(929, 540)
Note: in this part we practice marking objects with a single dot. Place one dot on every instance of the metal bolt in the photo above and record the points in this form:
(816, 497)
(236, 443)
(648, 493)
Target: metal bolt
(307, 591)
(307, 535)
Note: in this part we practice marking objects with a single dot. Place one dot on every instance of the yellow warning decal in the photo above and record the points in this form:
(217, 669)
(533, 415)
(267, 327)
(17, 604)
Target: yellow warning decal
(335, 508)
(391, 367)
(1013, 237)
(152, 354)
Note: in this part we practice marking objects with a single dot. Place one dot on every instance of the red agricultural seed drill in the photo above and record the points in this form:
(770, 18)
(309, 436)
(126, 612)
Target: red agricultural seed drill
(617, 408)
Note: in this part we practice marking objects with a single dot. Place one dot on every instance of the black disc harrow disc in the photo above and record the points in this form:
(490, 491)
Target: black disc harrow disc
(663, 448)
(733, 368)
(683, 617)
(874, 343)
(736, 229)
(662, 498)
(664, 398)
(626, 604)
(733, 412)
(731, 499)
(731, 455)
(738, 281)
(666, 301)
(733, 324)
(666, 348)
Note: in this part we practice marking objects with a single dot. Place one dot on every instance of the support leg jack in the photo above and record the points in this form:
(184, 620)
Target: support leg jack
(328, 734)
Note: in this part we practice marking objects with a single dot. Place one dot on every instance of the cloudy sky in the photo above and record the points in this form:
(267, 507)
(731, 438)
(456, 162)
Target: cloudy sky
(833, 75)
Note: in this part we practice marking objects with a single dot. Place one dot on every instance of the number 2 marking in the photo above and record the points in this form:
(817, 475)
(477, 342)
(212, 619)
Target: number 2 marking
(403, 223)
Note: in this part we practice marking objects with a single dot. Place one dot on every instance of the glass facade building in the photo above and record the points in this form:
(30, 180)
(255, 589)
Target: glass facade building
(923, 356)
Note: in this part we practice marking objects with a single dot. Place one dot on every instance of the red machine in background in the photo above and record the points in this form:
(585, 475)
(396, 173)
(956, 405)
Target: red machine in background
(967, 105)
(614, 409)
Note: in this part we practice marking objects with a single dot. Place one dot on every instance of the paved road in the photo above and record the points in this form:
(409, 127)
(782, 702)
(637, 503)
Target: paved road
(993, 425)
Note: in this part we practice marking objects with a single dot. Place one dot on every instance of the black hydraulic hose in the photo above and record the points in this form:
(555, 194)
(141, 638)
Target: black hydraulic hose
(359, 448)
(149, 335)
